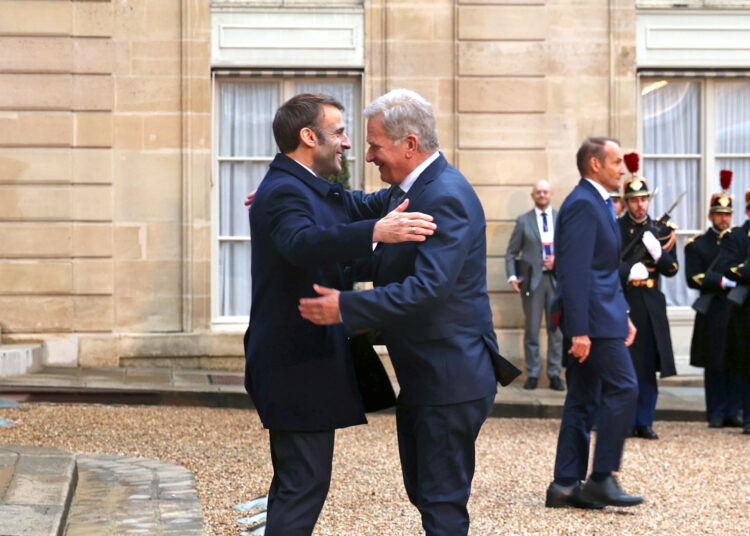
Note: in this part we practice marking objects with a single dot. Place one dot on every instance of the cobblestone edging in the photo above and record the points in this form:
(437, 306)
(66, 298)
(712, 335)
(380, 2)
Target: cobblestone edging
(125, 495)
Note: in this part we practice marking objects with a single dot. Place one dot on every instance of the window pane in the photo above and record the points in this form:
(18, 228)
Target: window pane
(246, 113)
(234, 278)
(740, 184)
(672, 177)
(236, 180)
(671, 117)
(732, 117)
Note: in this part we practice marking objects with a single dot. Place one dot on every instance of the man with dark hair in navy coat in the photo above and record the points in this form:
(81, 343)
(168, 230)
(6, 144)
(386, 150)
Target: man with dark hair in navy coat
(430, 302)
(300, 375)
(595, 318)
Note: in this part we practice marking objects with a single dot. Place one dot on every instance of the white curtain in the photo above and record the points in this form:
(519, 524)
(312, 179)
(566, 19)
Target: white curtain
(671, 126)
(733, 138)
(246, 114)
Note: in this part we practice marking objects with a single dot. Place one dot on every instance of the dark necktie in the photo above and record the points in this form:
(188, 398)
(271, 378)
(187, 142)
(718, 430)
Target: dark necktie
(611, 207)
(544, 222)
(397, 195)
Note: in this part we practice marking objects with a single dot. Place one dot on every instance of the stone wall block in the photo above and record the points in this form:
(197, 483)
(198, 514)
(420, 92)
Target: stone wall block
(148, 314)
(50, 17)
(34, 203)
(502, 22)
(92, 240)
(92, 166)
(408, 24)
(93, 19)
(30, 54)
(128, 132)
(93, 276)
(36, 91)
(93, 55)
(506, 310)
(164, 241)
(501, 131)
(36, 314)
(161, 58)
(147, 94)
(503, 167)
(497, 277)
(147, 187)
(52, 129)
(419, 59)
(93, 129)
(93, 313)
(130, 242)
(150, 279)
(36, 277)
(93, 92)
(35, 165)
(162, 131)
(92, 202)
(502, 95)
(36, 240)
(498, 236)
(97, 351)
(504, 202)
(502, 58)
(164, 19)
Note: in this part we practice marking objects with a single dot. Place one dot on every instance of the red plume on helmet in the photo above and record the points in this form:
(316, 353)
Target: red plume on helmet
(632, 161)
(725, 179)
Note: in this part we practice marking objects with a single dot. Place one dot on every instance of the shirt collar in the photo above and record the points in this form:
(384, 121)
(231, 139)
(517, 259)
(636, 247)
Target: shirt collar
(599, 188)
(411, 178)
(538, 211)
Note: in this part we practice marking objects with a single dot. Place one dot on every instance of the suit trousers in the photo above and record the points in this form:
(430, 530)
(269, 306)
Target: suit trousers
(436, 446)
(301, 478)
(604, 385)
(538, 302)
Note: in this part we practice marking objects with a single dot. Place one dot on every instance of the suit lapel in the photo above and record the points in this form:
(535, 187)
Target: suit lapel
(531, 222)
(603, 210)
(425, 178)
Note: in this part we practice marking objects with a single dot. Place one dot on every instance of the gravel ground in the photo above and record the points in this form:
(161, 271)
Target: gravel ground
(695, 480)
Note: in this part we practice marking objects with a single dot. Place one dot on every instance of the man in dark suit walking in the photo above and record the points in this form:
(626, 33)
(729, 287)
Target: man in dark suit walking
(530, 263)
(600, 376)
(430, 302)
(299, 375)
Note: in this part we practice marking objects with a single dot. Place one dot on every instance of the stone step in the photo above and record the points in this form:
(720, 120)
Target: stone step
(16, 359)
(124, 495)
(36, 486)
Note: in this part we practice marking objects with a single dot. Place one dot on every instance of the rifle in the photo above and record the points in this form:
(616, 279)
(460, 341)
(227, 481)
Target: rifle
(635, 250)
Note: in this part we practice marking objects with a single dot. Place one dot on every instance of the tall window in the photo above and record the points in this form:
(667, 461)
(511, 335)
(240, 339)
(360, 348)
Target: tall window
(244, 110)
(692, 128)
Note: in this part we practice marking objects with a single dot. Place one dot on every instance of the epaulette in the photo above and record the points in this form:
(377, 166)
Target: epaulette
(691, 239)
(671, 225)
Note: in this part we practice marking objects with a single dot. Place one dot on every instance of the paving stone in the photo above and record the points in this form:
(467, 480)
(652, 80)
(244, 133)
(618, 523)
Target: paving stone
(30, 520)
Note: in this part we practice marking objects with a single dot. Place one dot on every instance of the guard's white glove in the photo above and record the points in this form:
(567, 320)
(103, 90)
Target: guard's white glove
(638, 272)
(727, 283)
(652, 245)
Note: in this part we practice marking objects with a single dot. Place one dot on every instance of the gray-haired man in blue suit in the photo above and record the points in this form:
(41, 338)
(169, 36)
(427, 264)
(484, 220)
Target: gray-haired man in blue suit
(430, 302)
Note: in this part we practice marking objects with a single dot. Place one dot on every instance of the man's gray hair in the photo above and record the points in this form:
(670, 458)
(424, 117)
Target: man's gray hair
(406, 112)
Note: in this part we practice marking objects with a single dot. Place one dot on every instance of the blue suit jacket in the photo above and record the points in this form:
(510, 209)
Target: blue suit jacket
(300, 375)
(431, 301)
(587, 259)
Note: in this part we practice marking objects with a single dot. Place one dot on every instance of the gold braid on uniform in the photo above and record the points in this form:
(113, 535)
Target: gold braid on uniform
(698, 278)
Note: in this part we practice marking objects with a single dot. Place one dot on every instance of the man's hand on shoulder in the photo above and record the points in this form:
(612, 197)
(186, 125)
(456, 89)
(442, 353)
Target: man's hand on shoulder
(580, 348)
(399, 226)
(323, 311)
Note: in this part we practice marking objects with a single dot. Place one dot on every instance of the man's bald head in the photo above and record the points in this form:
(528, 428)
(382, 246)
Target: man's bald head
(541, 193)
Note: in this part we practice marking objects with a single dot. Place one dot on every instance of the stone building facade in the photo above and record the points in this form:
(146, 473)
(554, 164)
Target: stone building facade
(110, 157)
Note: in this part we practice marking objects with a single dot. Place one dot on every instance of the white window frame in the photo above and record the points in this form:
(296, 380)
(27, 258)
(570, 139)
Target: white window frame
(355, 160)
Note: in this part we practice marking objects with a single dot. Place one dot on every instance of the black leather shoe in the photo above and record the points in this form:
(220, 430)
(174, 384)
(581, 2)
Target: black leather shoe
(645, 432)
(716, 422)
(569, 496)
(608, 491)
(530, 383)
(556, 384)
(734, 421)
(746, 429)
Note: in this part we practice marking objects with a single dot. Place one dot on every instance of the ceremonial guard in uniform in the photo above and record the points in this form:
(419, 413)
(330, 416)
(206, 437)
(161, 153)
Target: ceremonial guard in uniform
(708, 348)
(617, 202)
(646, 255)
(734, 262)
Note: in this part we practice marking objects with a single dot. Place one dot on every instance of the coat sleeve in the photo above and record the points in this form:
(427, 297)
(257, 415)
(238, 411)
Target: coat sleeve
(301, 241)
(574, 259)
(363, 206)
(515, 244)
(438, 263)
